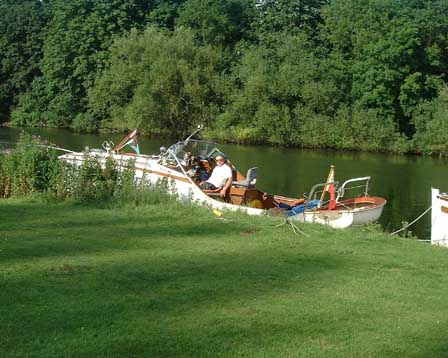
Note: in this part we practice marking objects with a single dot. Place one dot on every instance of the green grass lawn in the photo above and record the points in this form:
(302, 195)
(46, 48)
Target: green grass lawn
(167, 280)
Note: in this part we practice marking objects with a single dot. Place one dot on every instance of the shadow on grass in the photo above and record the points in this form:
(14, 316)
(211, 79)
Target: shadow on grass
(39, 230)
(248, 303)
(191, 299)
(182, 285)
(176, 275)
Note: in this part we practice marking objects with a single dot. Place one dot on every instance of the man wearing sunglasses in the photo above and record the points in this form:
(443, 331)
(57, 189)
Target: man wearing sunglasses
(221, 177)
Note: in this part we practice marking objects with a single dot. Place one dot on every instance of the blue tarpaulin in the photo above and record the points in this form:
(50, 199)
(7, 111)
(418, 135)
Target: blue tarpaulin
(293, 210)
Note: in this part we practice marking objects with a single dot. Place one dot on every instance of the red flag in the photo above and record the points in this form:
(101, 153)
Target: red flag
(332, 203)
(330, 189)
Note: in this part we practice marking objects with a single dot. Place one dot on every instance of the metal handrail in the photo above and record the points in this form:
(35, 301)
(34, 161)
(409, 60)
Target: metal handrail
(342, 188)
(313, 190)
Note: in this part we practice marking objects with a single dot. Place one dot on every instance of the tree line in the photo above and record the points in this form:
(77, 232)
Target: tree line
(341, 74)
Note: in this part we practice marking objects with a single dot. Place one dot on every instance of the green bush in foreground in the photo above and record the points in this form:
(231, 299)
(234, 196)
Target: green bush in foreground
(29, 169)
(33, 168)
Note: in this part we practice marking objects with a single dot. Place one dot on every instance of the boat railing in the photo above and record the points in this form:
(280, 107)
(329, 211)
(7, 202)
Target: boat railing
(314, 191)
(108, 145)
(343, 188)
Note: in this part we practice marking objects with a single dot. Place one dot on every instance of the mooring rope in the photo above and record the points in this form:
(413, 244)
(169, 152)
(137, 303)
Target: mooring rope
(406, 226)
(294, 227)
(286, 221)
(57, 148)
(42, 146)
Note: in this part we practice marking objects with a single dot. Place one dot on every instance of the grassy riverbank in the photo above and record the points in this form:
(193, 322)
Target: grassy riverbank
(167, 280)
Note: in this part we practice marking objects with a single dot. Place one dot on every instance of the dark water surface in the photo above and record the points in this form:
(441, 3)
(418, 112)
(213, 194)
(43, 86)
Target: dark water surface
(405, 181)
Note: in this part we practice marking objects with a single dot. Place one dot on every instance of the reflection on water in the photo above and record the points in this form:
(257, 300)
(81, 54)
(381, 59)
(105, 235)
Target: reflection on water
(405, 181)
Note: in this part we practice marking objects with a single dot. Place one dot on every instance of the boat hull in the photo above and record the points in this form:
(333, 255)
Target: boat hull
(148, 169)
(358, 211)
(351, 212)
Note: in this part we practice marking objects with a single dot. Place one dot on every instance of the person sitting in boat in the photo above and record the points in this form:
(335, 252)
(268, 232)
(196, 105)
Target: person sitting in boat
(221, 177)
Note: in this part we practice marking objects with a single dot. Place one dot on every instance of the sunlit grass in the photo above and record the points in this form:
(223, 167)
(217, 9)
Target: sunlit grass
(167, 280)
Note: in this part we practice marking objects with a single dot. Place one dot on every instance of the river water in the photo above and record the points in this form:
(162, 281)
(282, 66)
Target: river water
(405, 181)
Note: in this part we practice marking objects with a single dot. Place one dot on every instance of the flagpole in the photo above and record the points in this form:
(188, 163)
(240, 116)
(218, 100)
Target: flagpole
(330, 174)
(124, 141)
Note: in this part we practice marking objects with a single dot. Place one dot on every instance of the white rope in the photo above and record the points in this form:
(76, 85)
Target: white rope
(294, 227)
(406, 226)
(45, 146)
(57, 148)
(223, 219)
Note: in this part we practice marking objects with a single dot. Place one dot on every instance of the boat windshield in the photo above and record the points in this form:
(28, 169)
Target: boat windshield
(197, 148)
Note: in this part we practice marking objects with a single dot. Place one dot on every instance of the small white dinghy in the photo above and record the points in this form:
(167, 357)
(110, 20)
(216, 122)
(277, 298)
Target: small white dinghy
(188, 162)
(340, 212)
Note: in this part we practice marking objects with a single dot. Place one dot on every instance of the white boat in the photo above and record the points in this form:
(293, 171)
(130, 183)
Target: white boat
(186, 163)
(346, 212)
(439, 218)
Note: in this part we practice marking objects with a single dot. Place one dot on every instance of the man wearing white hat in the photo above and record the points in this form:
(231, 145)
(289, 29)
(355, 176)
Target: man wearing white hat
(221, 177)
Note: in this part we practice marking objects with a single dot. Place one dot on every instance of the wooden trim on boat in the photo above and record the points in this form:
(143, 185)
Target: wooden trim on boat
(365, 199)
(164, 174)
(344, 205)
(442, 197)
(288, 201)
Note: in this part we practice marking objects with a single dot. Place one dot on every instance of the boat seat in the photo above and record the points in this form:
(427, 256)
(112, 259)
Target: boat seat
(250, 181)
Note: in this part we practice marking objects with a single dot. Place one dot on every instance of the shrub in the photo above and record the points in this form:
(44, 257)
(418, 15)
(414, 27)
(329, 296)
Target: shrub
(84, 122)
(92, 181)
(28, 169)
(35, 168)
(350, 129)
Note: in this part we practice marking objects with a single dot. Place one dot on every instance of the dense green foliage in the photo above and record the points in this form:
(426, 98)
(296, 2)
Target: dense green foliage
(30, 168)
(75, 48)
(157, 82)
(431, 124)
(345, 74)
(170, 280)
(21, 42)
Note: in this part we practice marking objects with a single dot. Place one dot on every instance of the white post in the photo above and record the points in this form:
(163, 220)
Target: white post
(439, 219)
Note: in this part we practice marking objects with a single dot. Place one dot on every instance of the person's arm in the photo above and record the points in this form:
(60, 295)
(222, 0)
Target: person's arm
(226, 186)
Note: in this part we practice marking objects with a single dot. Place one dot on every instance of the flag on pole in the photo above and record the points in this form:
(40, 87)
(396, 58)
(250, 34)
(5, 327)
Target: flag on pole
(131, 140)
(133, 144)
(329, 188)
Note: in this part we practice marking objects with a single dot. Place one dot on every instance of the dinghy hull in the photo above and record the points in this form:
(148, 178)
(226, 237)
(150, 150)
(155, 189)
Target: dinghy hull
(351, 212)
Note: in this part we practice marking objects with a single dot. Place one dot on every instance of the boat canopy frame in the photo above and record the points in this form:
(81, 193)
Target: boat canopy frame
(340, 190)
(202, 149)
